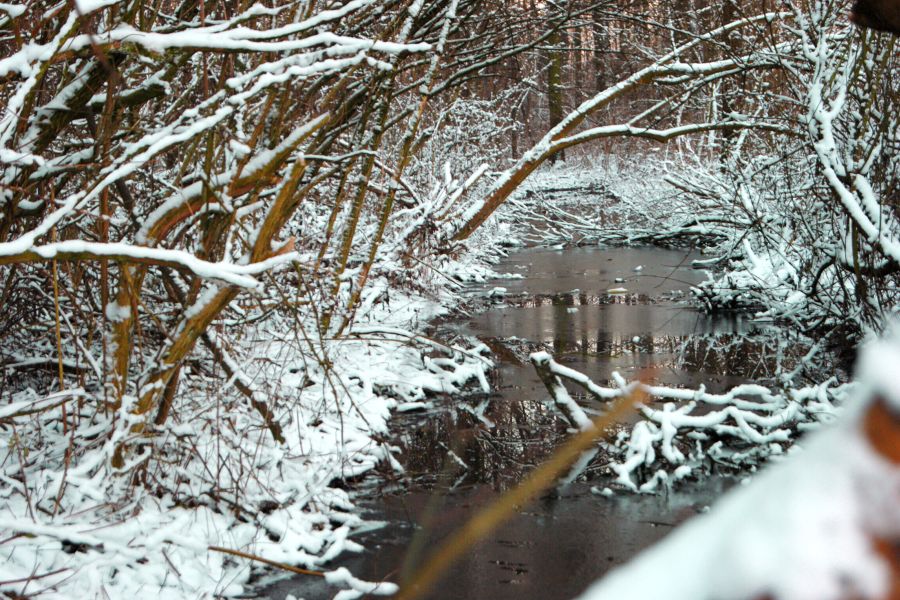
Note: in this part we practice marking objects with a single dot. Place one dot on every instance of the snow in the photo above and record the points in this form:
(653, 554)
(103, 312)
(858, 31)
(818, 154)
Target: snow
(38, 404)
(86, 7)
(10, 156)
(878, 369)
(573, 412)
(117, 313)
(358, 588)
(237, 38)
(802, 530)
(12, 10)
(240, 275)
(798, 532)
(748, 423)
(72, 526)
(129, 542)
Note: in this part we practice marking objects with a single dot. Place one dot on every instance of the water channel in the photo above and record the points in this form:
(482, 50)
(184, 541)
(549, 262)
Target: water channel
(461, 454)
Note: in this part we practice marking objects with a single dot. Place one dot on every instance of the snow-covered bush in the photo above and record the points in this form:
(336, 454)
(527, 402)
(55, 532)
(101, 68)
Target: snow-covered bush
(197, 232)
(808, 220)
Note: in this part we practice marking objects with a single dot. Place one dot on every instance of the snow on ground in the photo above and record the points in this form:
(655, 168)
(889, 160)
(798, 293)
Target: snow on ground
(607, 199)
(72, 528)
(803, 530)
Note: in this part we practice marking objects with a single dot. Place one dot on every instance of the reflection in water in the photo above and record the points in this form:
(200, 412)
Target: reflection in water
(461, 447)
(460, 456)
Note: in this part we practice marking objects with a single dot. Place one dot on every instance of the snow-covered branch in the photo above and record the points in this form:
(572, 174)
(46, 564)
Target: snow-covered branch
(742, 426)
(665, 67)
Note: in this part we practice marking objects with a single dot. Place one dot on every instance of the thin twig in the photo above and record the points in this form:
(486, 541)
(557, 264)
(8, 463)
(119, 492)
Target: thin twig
(266, 561)
(33, 577)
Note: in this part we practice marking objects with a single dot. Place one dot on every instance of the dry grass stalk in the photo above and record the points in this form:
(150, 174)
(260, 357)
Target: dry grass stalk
(490, 518)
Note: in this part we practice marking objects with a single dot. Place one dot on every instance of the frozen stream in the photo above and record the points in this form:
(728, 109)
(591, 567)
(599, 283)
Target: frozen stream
(554, 548)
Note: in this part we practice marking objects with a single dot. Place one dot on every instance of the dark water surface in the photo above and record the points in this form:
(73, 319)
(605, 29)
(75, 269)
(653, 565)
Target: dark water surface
(462, 454)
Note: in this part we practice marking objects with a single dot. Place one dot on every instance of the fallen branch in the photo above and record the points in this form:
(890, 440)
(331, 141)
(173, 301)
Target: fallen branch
(744, 425)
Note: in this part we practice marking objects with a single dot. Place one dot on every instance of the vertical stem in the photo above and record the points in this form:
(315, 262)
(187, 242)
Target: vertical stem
(59, 355)
(104, 290)
(554, 85)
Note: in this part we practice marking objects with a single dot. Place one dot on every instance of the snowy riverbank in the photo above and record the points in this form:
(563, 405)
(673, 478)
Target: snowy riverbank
(220, 486)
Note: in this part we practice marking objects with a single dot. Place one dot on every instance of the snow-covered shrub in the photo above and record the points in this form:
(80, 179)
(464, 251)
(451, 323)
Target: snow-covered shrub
(197, 213)
(810, 224)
